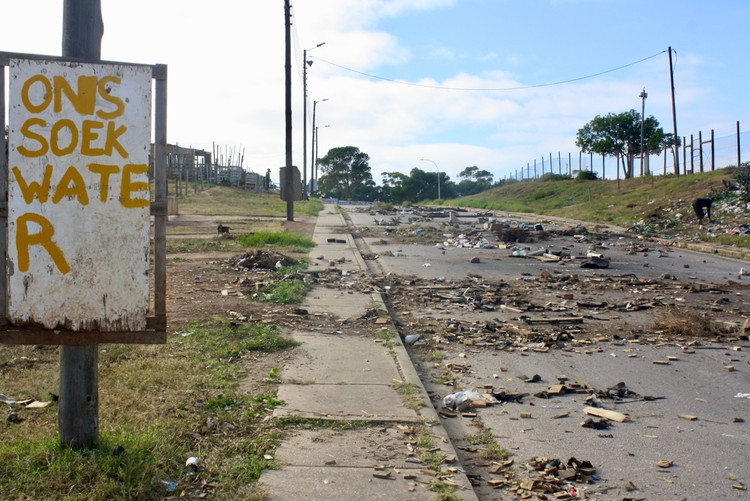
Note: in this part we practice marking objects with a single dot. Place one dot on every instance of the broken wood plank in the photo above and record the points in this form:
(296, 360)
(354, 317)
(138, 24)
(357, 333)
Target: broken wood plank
(554, 320)
(606, 414)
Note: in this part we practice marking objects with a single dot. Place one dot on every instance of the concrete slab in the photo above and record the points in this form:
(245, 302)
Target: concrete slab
(344, 484)
(326, 359)
(344, 304)
(358, 402)
(361, 448)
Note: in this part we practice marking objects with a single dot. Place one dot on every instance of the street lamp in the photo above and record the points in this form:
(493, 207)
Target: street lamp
(316, 152)
(315, 104)
(305, 64)
(643, 97)
(438, 172)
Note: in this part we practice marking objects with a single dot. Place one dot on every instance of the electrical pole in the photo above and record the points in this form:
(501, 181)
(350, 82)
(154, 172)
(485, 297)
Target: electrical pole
(289, 177)
(676, 146)
(78, 411)
(643, 97)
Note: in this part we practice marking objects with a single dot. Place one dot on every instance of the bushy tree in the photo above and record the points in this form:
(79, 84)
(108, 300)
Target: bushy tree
(418, 185)
(346, 174)
(473, 180)
(619, 136)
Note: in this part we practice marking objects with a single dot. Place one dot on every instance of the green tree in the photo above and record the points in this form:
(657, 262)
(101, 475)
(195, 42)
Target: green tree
(473, 180)
(392, 189)
(346, 174)
(418, 185)
(619, 136)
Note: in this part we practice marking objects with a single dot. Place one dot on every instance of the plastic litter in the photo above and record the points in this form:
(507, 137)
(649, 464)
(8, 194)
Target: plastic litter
(463, 399)
(413, 338)
(742, 395)
(169, 486)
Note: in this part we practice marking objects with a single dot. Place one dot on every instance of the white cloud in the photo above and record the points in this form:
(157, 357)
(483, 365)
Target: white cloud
(226, 83)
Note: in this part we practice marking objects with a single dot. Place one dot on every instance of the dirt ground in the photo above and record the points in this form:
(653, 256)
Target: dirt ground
(214, 285)
(544, 312)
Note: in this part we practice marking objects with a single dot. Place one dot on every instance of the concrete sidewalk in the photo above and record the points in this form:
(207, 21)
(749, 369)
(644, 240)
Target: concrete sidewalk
(371, 450)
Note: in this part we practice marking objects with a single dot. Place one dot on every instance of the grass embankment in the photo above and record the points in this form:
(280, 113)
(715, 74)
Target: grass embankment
(620, 203)
(159, 405)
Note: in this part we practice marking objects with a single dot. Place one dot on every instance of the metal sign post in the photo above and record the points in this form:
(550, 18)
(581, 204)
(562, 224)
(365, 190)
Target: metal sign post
(79, 270)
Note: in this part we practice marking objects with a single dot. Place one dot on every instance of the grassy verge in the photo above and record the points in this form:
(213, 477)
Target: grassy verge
(158, 406)
(281, 240)
(291, 291)
(227, 201)
(190, 245)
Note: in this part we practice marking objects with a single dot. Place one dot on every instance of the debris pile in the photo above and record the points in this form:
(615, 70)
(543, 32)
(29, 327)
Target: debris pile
(260, 259)
(553, 476)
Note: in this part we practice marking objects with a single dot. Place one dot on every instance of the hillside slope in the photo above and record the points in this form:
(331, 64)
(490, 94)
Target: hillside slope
(658, 207)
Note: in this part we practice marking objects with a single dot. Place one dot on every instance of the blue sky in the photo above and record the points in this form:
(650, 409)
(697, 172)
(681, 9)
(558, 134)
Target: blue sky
(226, 72)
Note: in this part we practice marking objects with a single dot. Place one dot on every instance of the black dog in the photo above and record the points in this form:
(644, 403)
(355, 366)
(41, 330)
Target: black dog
(699, 204)
(222, 229)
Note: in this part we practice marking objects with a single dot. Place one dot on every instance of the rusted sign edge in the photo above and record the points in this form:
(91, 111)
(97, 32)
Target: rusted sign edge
(47, 337)
(158, 71)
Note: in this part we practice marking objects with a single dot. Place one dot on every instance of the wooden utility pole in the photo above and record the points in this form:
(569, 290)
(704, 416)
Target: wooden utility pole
(674, 118)
(289, 175)
(78, 412)
(739, 148)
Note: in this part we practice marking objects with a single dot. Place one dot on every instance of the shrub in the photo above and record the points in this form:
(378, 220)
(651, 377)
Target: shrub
(587, 175)
(551, 176)
(742, 176)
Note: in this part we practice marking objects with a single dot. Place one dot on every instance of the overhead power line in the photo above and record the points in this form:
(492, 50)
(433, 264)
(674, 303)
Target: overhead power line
(440, 87)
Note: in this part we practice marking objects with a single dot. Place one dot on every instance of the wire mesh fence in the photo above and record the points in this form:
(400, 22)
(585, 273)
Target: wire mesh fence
(699, 152)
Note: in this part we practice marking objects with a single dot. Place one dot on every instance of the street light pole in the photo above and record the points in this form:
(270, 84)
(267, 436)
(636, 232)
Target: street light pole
(643, 97)
(315, 104)
(305, 64)
(438, 173)
(316, 152)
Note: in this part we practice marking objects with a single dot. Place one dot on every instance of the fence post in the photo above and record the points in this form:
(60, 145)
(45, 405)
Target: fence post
(700, 150)
(684, 155)
(739, 157)
(713, 152)
(692, 155)
(570, 165)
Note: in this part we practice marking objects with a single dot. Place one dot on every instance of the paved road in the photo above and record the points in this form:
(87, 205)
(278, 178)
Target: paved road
(710, 454)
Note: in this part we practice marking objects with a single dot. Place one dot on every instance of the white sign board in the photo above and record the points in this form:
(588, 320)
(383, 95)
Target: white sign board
(78, 195)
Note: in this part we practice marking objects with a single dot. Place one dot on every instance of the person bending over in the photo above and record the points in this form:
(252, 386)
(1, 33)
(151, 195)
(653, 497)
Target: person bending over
(702, 208)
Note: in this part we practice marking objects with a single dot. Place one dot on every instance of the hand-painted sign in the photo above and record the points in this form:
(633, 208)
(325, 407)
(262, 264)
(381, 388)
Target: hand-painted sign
(78, 195)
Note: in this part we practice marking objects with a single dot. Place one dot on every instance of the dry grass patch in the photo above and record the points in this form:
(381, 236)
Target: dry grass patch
(687, 323)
